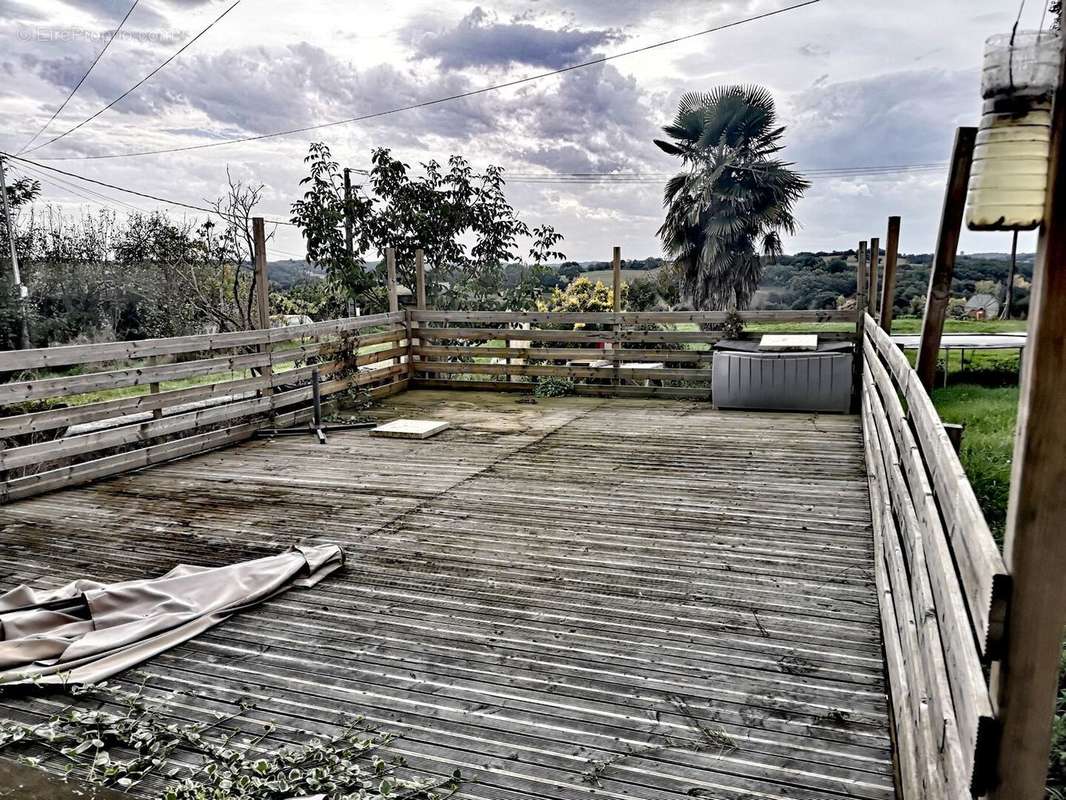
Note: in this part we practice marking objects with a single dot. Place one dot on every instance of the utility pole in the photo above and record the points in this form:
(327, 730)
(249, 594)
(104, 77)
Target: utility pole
(23, 293)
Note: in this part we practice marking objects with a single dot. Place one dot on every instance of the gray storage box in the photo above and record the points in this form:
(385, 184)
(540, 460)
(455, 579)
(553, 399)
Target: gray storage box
(742, 376)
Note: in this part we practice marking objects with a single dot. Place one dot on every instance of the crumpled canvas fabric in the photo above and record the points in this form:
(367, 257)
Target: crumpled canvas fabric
(86, 631)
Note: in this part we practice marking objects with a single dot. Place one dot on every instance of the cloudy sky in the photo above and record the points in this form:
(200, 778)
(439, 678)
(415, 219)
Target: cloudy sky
(859, 83)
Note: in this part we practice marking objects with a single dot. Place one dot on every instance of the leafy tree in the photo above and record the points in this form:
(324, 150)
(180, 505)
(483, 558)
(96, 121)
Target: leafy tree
(582, 295)
(441, 213)
(734, 198)
(320, 216)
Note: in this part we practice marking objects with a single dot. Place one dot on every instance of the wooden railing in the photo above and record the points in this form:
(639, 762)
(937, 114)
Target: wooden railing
(49, 443)
(616, 353)
(942, 585)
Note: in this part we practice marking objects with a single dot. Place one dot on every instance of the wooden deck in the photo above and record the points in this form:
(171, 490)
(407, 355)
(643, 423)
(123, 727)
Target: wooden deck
(578, 598)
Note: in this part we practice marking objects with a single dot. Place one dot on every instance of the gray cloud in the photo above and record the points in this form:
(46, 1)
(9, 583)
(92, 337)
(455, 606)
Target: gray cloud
(479, 41)
(895, 118)
(19, 12)
(594, 119)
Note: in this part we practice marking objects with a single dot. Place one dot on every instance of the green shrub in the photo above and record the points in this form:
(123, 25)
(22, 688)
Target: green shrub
(554, 387)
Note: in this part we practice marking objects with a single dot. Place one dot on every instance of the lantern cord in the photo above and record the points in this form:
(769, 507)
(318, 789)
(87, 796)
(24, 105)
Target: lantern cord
(1010, 48)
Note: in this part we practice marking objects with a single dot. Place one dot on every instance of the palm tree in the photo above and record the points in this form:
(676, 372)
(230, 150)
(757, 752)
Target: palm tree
(727, 210)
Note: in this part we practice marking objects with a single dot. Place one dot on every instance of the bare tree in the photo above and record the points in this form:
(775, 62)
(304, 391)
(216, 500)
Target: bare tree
(223, 285)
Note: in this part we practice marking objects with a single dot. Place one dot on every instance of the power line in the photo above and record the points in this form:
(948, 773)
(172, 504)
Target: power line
(74, 91)
(157, 198)
(449, 98)
(139, 83)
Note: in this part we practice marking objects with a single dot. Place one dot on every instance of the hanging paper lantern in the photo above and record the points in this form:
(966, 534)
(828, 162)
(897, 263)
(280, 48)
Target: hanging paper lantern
(1008, 180)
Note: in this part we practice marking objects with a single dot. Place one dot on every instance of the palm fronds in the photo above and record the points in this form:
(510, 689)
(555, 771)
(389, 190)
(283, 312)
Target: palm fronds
(727, 210)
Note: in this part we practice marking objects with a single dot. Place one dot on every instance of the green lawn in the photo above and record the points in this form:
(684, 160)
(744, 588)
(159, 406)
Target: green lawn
(988, 414)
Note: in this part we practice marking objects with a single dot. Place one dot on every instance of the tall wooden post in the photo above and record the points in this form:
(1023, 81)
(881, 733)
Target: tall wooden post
(616, 268)
(420, 305)
(888, 283)
(1025, 683)
(390, 278)
(262, 293)
(616, 275)
(943, 268)
(875, 258)
(420, 279)
(860, 326)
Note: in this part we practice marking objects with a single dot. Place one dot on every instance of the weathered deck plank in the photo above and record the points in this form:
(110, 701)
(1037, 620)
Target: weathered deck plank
(535, 589)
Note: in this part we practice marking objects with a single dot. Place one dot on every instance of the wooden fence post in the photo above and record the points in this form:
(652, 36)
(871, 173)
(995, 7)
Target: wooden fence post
(888, 283)
(616, 274)
(1024, 683)
(875, 258)
(390, 279)
(420, 280)
(943, 268)
(420, 304)
(860, 323)
(262, 294)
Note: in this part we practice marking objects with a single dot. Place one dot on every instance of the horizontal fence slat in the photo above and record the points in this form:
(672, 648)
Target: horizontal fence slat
(985, 580)
(67, 355)
(653, 373)
(969, 691)
(144, 431)
(927, 755)
(903, 700)
(526, 387)
(954, 728)
(630, 317)
(535, 335)
(77, 474)
(550, 354)
(40, 421)
(121, 378)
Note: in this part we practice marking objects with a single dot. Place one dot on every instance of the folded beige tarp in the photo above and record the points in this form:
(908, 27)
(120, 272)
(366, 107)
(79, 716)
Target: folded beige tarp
(87, 631)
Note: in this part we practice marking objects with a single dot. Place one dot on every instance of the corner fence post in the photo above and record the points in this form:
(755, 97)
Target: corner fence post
(860, 322)
(1025, 682)
(947, 244)
(420, 305)
(616, 355)
(888, 284)
(262, 296)
(390, 279)
(875, 258)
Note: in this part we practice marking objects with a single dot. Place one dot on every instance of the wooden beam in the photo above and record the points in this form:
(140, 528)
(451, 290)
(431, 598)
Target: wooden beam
(420, 280)
(936, 300)
(390, 279)
(420, 304)
(860, 316)
(262, 293)
(875, 259)
(888, 283)
(616, 267)
(262, 283)
(1025, 681)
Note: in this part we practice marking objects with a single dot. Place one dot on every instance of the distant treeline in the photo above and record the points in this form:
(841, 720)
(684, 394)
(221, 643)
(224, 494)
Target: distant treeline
(818, 280)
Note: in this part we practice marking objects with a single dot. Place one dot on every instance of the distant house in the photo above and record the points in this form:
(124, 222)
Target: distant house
(982, 306)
